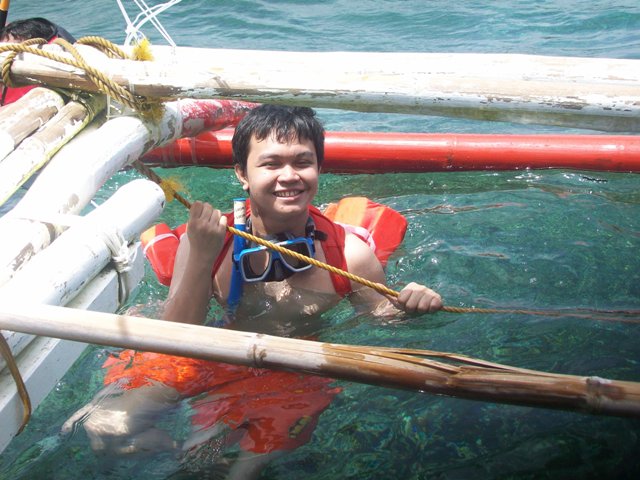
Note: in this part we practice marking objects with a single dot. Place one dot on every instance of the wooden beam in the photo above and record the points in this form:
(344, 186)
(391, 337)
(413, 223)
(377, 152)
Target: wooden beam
(25, 116)
(407, 369)
(594, 93)
(73, 176)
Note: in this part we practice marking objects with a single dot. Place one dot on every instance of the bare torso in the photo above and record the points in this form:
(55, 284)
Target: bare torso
(291, 307)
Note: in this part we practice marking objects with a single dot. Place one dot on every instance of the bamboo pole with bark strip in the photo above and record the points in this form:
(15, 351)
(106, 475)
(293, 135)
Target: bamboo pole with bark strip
(419, 370)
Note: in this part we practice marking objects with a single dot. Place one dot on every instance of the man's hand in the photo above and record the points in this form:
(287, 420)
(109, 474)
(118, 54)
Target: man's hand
(190, 289)
(206, 229)
(416, 298)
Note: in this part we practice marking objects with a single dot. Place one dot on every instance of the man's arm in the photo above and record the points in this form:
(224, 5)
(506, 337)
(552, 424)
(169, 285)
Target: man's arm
(413, 298)
(191, 285)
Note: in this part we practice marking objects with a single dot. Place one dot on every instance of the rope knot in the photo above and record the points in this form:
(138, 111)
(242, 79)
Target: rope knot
(123, 257)
(14, 51)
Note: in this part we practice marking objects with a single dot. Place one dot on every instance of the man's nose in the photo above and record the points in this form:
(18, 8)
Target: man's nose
(288, 173)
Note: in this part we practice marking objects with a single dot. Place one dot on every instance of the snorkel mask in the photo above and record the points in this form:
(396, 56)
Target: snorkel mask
(258, 263)
(261, 264)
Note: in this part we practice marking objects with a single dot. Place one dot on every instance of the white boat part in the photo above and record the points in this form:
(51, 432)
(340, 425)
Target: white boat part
(592, 93)
(86, 267)
(24, 116)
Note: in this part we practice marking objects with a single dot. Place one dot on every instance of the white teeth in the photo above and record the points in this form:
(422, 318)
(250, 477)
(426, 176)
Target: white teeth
(289, 193)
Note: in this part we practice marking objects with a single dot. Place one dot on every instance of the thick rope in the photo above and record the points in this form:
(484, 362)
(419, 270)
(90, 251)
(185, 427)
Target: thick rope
(5, 350)
(146, 107)
(621, 315)
(149, 173)
(110, 49)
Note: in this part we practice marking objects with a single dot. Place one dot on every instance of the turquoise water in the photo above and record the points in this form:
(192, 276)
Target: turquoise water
(539, 239)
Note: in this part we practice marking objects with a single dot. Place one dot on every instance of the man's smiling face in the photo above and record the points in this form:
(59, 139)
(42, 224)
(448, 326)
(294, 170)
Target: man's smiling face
(282, 179)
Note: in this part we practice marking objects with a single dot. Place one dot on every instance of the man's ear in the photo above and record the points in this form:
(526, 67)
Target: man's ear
(242, 177)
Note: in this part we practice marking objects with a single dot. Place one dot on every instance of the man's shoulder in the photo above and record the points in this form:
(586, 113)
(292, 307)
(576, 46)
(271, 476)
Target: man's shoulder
(361, 259)
(357, 249)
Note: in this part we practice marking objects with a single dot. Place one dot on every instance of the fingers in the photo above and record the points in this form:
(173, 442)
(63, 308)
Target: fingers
(203, 216)
(201, 212)
(416, 298)
(206, 227)
(196, 209)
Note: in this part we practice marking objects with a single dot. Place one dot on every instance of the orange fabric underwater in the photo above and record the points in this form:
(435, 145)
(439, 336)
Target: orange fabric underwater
(270, 410)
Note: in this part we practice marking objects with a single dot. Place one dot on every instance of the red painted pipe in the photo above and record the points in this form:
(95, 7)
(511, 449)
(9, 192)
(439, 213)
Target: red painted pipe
(375, 152)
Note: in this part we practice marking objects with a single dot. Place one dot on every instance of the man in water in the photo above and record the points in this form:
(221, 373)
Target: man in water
(278, 153)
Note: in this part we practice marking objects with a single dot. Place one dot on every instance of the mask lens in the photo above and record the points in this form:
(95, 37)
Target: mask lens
(255, 264)
(302, 246)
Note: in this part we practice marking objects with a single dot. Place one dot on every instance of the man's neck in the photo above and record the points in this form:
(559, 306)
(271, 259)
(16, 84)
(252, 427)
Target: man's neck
(294, 225)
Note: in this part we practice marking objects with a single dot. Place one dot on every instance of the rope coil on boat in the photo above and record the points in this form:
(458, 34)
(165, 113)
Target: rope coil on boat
(147, 108)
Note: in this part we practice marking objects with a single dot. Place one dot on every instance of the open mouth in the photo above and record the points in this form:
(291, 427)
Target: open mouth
(288, 193)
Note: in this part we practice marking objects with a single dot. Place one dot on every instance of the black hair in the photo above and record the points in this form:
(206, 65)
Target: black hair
(36, 27)
(285, 123)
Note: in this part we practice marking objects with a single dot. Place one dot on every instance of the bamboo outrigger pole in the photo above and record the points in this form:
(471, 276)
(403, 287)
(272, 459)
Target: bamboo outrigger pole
(450, 374)
(35, 151)
(25, 116)
(595, 93)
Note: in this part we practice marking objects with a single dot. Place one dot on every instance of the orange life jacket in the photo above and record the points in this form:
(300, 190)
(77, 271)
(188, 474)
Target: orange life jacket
(332, 246)
(381, 227)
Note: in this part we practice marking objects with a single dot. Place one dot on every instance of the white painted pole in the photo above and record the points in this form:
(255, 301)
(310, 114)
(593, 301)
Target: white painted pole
(37, 149)
(24, 116)
(82, 166)
(60, 271)
(595, 93)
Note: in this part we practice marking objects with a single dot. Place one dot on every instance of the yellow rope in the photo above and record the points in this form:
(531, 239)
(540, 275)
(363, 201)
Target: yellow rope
(383, 289)
(278, 248)
(379, 287)
(149, 173)
(15, 49)
(110, 49)
(168, 189)
(146, 107)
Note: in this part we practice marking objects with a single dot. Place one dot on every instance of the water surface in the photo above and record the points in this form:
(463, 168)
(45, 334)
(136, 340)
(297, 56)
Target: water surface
(529, 239)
